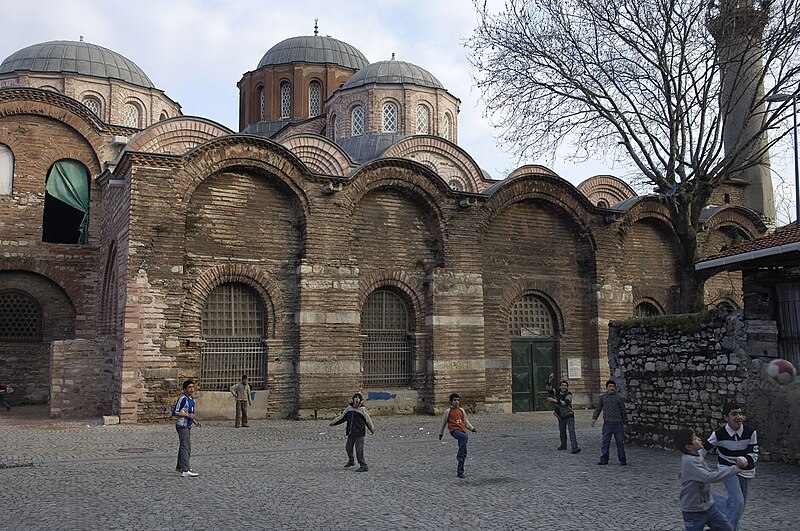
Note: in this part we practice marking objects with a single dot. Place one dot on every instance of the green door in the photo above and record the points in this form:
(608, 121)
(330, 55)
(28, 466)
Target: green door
(532, 361)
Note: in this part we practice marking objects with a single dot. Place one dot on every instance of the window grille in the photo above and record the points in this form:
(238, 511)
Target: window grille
(233, 329)
(20, 318)
(447, 127)
(357, 118)
(456, 185)
(93, 105)
(6, 170)
(646, 309)
(530, 316)
(387, 348)
(130, 115)
(788, 296)
(314, 99)
(286, 101)
(389, 118)
(423, 120)
(261, 104)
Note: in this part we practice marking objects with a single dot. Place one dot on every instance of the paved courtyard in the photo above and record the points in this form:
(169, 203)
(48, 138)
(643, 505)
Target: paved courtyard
(289, 475)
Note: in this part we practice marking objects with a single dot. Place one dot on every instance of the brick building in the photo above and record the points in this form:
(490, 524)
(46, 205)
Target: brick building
(341, 241)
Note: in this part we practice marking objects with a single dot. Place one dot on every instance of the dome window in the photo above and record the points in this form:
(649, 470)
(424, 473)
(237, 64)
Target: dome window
(130, 115)
(357, 117)
(314, 99)
(286, 101)
(447, 127)
(423, 120)
(261, 104)
(163, 116)
(93, 104)
(6, 170)
(389, 118)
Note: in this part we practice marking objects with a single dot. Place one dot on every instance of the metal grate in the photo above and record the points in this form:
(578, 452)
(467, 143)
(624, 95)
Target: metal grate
(261, 104)
(130, 115)
(423, 119)
(233, 328)
(93, 105)
(286, 100)
(19, 317)
(357, 121)
(314, 99)
(646, 309)
(387, 349)
(389, 118)
(788, 296)
(446, 128)
(530, 316)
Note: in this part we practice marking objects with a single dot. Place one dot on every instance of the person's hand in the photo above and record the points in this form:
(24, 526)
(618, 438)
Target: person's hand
(197, 423)
(593, 421)
(551, 377)
(551, 399)
(440, 436)
(741, 462)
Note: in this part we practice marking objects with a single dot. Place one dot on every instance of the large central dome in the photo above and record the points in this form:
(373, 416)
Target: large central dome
(74, 57)
(314, 49)
(393, 72)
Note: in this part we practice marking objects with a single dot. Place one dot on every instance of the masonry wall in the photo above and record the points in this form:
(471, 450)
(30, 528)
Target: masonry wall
(81, 378)
(678, 371)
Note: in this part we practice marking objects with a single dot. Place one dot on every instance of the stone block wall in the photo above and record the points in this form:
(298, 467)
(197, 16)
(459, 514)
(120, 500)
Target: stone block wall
(81, 377)
(678, 371)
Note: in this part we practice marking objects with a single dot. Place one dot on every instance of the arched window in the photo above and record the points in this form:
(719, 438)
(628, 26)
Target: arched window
(357, 121)
(20, 317)
(286, 100)
(6, 170)
(389, 118)
(233, 326)
(530, 316)
(447, 127)
(387, 348)
(130, 115)
(66, 203)
(602, 203)
(261, 104)
(456, 185)
(163, 116)
(314, 99)
(335, 121)
(646, 309)
(93, 104)
(423, 120)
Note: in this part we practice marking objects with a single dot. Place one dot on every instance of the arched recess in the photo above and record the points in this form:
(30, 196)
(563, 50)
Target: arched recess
(6, 170)
(447, 158)
(387, 346)
(109, 298)
(176, 136)
(606, 190)
(646, 307)
(319, 154)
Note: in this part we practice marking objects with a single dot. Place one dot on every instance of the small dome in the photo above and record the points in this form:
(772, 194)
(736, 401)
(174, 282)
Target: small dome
(393, 72)
(75, 58)
(314, 49)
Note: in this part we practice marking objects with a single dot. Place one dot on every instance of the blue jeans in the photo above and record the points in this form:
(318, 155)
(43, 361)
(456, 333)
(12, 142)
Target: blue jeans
(713, 518)
(615, 429)
(733, 506)
(461, 456)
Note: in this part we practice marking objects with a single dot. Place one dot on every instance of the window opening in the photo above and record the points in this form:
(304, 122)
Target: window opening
(314, 99)
(358, 121)
(387, 348)
(261, 104)
(66, 203)
(646, 309)
(389, 118)
(286, 101)
(93, 105)
(130, 116)
(423, 120)
(6, 170)
(447, 128)
(530, 316)
(20, 318)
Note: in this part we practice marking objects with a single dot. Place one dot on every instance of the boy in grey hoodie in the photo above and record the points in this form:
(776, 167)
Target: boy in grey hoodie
(614, 419)
(358, 422)
(697, 505)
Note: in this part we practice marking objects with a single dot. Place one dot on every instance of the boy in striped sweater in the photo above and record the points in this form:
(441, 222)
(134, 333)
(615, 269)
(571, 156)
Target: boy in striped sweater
(733, 442)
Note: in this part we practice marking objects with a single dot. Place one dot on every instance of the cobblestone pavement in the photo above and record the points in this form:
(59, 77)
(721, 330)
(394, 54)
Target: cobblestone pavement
(289, 475)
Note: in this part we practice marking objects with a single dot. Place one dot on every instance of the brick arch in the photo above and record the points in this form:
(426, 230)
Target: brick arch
(429, 147)
(266, 287)
(517, 290)
(319, 154)
(740, 218)
(248, 153)
(176, 136)
(606, 187)
(400, 282)
(643, 294)
(55, 275)
(647, 207)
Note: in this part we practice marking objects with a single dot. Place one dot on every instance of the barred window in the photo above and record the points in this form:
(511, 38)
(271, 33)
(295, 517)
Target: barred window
(447, 127)
(6, 170)
(233, 329)
(93, 104)
(20, 317)
(335, 121)
(130, 115)
(357, 118)
(456, 185)
(530, 316)
(646, 309)
(389, 118)
(387, 348)
(314, 99)
(261, 104)
(423, 120)
(286, 101)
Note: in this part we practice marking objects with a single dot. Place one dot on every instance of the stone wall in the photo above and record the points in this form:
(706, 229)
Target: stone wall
(678, 371)
(80, 375)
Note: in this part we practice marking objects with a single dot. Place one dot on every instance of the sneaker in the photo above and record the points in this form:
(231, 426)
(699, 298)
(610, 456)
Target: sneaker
(602, 462)
(349, 464)
(561, 448)
(460, 475)
(623, 463)
(245, 425)
(189, 474)
(362, 468)
(575, 451)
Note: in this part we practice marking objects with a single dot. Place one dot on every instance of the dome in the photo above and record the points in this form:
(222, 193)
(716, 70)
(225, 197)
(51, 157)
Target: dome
(393, 72)
(75, 58)
(314, 49)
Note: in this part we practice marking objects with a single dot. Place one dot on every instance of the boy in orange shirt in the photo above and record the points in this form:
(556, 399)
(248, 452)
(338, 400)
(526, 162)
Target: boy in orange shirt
(455, 419)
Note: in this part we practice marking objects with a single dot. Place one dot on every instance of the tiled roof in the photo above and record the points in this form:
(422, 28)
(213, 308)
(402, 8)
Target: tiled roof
(783, 240)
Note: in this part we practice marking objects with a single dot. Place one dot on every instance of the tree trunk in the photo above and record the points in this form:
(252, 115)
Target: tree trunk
(685, 214)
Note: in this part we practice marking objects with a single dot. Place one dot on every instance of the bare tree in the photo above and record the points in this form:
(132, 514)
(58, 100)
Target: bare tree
(676, 86)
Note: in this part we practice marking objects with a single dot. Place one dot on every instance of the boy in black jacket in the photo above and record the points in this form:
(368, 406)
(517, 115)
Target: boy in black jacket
(562, 398)
(358, 422)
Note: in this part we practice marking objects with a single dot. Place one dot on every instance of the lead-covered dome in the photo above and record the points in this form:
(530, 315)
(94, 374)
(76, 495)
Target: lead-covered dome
(314, 49)
(77, 58)
(393, 72)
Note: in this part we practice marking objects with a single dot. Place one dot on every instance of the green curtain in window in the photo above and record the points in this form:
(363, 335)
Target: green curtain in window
(69, 182)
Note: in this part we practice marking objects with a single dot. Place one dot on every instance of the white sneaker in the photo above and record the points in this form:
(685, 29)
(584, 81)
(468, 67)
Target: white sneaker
(189, 474)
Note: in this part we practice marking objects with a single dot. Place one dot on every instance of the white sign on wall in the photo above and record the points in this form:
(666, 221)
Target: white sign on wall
(573, 368)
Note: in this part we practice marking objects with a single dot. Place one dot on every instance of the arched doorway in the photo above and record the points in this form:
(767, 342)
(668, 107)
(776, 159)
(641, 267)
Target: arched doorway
(534, 350)
(233, 325)
(387, 347)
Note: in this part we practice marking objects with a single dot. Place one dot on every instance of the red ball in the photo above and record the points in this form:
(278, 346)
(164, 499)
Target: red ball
(781, 371)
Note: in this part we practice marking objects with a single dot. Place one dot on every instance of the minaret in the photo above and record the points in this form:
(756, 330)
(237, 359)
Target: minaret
(738, 28)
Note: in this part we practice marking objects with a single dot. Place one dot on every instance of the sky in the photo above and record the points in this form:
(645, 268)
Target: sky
(197, 50)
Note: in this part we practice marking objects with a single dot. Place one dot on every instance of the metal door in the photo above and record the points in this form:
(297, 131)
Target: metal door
(532, 360)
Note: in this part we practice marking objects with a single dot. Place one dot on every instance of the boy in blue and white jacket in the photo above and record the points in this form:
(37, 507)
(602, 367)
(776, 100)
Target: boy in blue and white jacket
(185, 418)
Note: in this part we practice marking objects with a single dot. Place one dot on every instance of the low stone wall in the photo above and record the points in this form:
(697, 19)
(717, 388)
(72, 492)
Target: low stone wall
(678, 371)
(81, 372)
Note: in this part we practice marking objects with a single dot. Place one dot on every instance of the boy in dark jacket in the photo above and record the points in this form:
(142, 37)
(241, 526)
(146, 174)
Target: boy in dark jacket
(562, 398)
(614, 419)
(358, 422)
